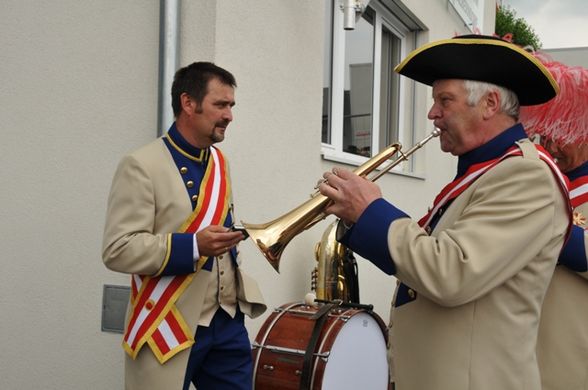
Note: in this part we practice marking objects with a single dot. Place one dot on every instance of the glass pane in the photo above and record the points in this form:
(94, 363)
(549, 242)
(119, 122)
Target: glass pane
(389, 89)
(327, 66)
(357, 109)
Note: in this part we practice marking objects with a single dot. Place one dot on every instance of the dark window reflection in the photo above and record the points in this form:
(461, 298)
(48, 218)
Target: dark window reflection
(357, 109)
(327, 71)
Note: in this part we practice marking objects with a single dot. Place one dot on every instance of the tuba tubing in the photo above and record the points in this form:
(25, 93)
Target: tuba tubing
(272, 237)
(335, 276)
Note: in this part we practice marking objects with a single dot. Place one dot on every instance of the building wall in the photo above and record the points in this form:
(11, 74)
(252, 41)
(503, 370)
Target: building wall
(572, 56)
(79, 90)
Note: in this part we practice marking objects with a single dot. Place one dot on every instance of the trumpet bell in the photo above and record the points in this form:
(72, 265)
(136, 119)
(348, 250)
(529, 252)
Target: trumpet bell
(272, 237)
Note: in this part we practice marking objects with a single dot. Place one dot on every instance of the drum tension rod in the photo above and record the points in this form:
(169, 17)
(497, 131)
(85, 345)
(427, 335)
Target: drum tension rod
(352, 305)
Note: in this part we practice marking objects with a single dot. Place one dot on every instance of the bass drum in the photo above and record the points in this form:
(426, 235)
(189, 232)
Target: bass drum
(349, 352)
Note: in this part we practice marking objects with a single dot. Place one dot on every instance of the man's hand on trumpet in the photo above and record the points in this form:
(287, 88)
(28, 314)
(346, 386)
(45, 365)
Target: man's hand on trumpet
(350, 194)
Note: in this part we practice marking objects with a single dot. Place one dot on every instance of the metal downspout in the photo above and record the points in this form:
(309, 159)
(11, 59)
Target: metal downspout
(168, 60)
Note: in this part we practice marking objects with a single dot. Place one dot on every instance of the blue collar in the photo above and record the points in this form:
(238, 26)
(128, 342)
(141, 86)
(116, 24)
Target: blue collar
(580, 171)
(491, 149)
(184, 147)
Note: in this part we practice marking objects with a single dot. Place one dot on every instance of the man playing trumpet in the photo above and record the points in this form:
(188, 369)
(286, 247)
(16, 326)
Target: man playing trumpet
(473, 272)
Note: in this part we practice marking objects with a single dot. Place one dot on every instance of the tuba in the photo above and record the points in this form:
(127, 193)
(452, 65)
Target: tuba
(335, 276)
(272, 237)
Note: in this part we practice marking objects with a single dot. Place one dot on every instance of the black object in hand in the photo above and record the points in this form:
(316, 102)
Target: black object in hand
(240, 228)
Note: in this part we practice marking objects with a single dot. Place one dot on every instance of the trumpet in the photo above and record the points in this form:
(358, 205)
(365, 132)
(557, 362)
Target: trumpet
(272, 237)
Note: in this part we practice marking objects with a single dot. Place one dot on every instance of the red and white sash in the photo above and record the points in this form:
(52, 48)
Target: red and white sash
(456, 187)
(579, 191)
(154, 318)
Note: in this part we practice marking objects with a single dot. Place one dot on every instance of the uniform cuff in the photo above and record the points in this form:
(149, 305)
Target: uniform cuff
(368, 237)
(181, 255)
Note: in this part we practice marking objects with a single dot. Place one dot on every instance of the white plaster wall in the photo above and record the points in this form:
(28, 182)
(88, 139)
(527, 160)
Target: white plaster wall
(274, 143)
(79, 90)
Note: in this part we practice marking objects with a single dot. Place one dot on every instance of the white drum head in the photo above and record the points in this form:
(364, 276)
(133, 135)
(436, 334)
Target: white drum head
(358, 357)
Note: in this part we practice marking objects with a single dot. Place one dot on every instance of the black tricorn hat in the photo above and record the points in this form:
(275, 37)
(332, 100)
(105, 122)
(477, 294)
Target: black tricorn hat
(482, 58)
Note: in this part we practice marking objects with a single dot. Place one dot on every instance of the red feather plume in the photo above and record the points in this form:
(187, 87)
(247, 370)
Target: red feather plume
(564, 118)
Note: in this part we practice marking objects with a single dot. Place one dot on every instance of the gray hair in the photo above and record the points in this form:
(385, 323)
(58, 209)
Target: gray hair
(509, 102)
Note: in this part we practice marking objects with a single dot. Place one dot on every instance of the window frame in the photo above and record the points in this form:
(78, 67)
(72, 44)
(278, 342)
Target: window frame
(382, 18)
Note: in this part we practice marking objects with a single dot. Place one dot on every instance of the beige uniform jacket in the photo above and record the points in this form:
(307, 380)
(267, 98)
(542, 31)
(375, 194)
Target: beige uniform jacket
(148, 200)
(478, 282)
(562, 347)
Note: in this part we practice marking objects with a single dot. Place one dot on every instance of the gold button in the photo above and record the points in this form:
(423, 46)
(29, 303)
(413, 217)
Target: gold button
(411, 293)
(183, 170)
(194, 198)
(149, 304)
(189, 184)
(220, 257)
(222, 273)
(222, 288)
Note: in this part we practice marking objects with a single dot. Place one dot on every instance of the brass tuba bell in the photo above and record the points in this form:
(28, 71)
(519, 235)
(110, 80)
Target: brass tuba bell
(272, 237)
(335, 277)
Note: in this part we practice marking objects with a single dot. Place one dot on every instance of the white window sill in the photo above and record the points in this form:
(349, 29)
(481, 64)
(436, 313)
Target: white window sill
(355, 160)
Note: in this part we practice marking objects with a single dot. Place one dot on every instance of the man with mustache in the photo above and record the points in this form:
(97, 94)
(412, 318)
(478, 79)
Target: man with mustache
(472, 272)
(168, 225)
(562, 124)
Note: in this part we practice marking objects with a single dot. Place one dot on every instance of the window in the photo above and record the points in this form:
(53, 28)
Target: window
(363, 111)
